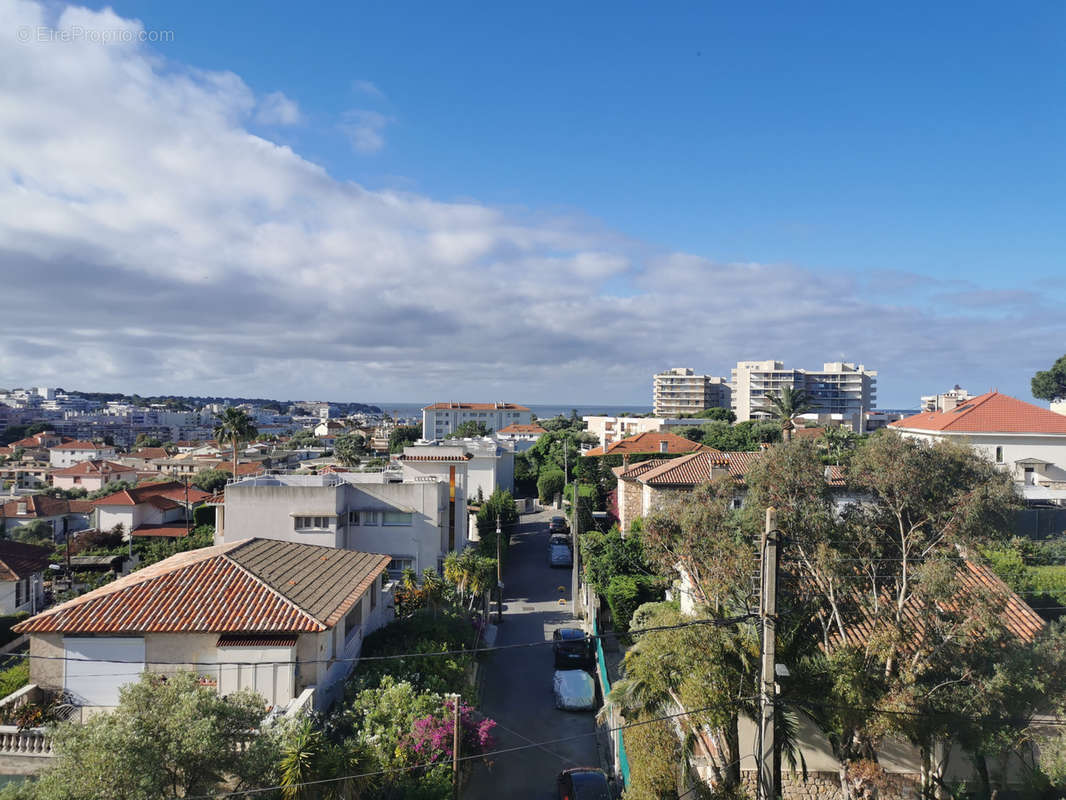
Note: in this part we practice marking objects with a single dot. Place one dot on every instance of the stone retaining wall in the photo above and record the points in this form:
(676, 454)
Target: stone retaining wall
(826, 786)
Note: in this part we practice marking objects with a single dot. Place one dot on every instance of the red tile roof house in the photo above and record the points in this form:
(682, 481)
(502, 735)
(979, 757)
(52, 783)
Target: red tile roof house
(92, 475)
(21, 576)
(281, 618)
(63, 516)
(1024, 439)
(152, 509)
(70, 453)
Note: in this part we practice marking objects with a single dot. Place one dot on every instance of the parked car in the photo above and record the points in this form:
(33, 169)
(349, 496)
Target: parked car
(558, 525)
(559, 538)
(583, 783)
(559, 555)
(574, 689)
(573, 649)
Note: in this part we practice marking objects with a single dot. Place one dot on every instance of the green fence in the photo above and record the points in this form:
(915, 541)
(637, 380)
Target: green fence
(605, 683)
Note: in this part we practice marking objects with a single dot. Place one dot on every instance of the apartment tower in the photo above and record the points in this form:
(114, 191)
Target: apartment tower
(679, 391)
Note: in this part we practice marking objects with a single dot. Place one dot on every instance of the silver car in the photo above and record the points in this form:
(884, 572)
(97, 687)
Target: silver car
(559, 554)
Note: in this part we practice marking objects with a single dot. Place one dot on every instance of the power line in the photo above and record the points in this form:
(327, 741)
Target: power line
(724, 622)
(502, 751)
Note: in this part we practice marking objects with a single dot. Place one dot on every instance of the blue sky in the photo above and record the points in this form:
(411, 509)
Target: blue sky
(838, 136)
(905, 159)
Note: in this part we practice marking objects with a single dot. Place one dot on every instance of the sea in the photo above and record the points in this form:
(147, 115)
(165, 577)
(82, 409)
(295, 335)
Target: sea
(413, 411)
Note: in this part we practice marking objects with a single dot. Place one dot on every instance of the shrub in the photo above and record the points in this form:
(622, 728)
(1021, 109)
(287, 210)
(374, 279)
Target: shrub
(625, 593)
(550, 484)
(14, 677)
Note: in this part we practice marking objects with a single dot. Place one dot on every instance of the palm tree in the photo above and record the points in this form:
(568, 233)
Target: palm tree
(313, 767)
(788, 404)
(234, 426)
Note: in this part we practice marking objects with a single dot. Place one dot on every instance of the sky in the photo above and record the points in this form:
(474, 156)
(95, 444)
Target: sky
(540, 202)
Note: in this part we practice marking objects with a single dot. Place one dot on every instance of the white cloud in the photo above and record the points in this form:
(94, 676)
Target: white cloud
(277, 109)
(365, 129)
(149, 242)
(368, 88)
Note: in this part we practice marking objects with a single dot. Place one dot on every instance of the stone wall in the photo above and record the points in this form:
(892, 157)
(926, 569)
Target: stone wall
(630, 505)
(826, 786)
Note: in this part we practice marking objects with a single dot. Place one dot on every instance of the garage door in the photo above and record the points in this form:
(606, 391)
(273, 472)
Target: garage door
(91, 671)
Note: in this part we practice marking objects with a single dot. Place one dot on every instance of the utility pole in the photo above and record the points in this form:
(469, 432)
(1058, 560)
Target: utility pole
(499, 573)
(455, 746)
(767, 689)
(188, 511)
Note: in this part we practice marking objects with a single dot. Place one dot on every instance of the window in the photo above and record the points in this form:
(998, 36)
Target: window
(396, 518)
(312, 523)
(368, 517)
(999, 455)
(353, 517)
(396, 567)
(21, 592)
(353, 619)
(374, 589)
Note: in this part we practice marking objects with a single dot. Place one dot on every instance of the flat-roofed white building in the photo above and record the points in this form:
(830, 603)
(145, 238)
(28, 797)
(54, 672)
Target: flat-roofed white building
(416, 520)
(489, 463)
(838, 388)
(680, 391)
(440, 419)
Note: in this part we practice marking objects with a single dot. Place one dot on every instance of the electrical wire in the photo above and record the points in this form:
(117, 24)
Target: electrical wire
(489, 754)
(723, 622)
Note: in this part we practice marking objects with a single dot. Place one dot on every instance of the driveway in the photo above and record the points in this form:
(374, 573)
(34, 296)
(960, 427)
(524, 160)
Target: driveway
(517, 684)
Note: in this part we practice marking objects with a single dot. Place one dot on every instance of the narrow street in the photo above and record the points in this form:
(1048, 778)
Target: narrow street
(517, 684)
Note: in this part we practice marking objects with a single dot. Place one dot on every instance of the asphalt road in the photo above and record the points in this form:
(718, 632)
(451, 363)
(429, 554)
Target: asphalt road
(517, 684)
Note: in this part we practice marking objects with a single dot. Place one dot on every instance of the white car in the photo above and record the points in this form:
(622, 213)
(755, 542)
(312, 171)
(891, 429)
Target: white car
(575, 690)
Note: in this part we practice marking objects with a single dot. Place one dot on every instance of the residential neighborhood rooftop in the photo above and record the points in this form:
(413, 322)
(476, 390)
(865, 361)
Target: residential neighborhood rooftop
(991, 412)
(245, 586)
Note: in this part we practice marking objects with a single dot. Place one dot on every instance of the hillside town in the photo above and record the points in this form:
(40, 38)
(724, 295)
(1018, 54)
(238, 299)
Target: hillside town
(547, 401)
(313, 564)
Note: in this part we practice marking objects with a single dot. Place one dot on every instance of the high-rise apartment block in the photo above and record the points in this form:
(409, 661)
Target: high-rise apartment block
(837, 388)
(679, 391)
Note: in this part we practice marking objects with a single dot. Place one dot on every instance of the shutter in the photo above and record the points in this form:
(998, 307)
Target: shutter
(91, 673)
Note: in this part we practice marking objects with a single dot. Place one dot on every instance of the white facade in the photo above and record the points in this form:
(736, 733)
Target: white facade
(489, 464)
(680, 391)
(414, 520)
(1033, 460)
(838, 388)
(440, 419)
(67, 456)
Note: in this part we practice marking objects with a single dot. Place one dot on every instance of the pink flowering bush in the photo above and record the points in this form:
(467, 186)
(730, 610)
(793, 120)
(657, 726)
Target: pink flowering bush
(431, 737)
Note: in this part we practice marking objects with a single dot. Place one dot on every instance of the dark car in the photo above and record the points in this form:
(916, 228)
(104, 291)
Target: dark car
(573, 649)
(558, 525)
(583, 783)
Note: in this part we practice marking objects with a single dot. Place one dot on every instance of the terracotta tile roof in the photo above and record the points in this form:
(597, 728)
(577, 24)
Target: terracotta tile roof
(174, 530)
(516, 428)
(254, 640)
(95, 467)
(989, 413)
(171, 490)
(636, 470)
(82, 446)
(18, 560)
(80, 506)
(249, 586)
(475, 407)
(216, 499)
(974, 579)
(147, 453)
(461, 457)
(651, 442)
(37, 506)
